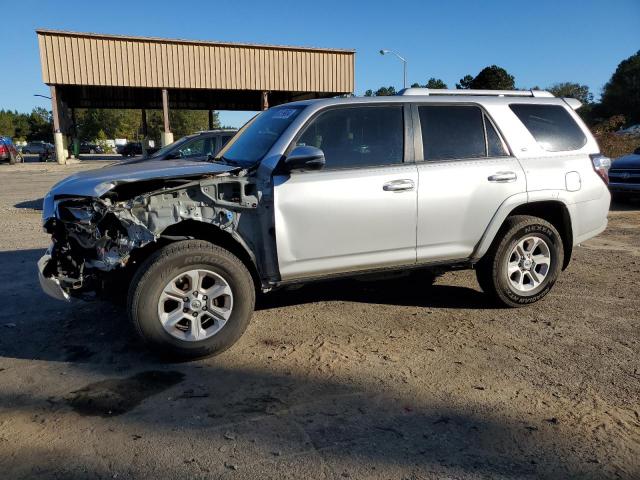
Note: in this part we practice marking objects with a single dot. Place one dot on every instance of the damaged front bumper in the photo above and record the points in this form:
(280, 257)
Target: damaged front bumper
(50, 285)
(96, 239)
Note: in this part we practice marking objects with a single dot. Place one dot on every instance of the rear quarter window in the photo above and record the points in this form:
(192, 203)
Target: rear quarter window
(551, 125)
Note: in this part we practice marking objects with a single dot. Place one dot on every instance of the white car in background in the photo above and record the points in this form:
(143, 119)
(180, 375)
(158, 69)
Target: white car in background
(633, 130)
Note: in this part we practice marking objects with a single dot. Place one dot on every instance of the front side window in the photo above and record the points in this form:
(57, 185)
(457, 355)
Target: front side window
(551, 126)
(360, 136)
(175, 146)
(197, 148)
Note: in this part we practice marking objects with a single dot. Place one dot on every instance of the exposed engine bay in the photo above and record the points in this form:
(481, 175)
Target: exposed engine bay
(95, 236)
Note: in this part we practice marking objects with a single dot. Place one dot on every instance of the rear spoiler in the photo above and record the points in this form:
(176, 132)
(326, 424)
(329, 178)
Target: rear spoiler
(572, 102)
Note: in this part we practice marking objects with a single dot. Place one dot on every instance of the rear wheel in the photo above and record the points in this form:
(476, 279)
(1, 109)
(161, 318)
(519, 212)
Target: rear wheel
(523, 263)
(191, 299)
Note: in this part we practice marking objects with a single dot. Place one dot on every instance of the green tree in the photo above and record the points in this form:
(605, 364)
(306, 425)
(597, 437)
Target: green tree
(7, 128)
(40, 125)
(20, 126)
(436, 83)
(431, 83)
(493, 78)
(621, 94)
(101, 140)
(572, 90)
(465, 83)
(381, 92)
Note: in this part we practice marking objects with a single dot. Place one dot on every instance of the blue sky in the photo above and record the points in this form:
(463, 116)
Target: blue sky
(539, 42)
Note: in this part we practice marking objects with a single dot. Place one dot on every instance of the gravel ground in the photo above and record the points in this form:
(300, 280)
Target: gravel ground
(333, 380)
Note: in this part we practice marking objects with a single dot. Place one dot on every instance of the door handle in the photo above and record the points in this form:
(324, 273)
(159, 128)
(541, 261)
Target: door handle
(398, 185)
(503, 177)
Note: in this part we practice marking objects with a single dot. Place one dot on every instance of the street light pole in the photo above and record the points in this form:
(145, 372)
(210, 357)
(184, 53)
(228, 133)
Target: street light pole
(404, 64)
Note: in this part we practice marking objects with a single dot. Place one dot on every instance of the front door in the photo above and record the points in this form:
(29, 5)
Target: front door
(359, 212)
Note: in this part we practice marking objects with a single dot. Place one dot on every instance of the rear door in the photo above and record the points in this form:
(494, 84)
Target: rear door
(466, 173)
(359, 212)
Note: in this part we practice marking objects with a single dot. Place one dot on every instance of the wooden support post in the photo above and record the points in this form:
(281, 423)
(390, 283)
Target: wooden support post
(166, 136)
(75, 141)
(264, 101)
(55, 110)
(58, 141)
(144, 123)
(210, 119)
(165, 110)
(145, 140)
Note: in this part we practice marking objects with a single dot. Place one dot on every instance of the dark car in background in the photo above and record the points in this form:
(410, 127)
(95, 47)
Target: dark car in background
(37, 146)
(131, 149)
(88, 147)
(48, 154)
(9, 152)
(624, 176)
(198, 145)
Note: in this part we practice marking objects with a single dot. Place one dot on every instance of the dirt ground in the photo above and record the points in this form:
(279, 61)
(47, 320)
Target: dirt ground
(334, 380)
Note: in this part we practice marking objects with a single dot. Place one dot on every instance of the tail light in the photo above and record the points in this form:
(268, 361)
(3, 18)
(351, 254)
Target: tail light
(3, 148)
(601, 165)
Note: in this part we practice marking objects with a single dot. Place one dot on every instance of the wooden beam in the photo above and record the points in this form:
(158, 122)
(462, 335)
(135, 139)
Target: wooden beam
(144, 123)
(55, 109)
(165, 109)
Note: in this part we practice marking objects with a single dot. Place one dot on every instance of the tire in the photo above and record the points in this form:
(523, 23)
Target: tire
(492, 271)
(160, 271)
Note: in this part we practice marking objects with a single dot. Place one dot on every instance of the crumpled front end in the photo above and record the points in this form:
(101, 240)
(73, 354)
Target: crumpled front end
(94, 238)
(90, 236)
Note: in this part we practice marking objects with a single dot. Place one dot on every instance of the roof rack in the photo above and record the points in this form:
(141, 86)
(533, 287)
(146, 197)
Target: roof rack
(486, 93)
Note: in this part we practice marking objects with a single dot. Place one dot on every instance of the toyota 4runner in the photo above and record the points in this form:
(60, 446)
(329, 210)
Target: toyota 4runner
(505, 182)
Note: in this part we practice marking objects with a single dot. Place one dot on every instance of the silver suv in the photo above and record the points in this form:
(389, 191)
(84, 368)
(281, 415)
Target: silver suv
(505, 182)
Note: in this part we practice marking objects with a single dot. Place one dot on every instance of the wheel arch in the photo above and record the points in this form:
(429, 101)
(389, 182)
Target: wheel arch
(555, 212)
(197, 230)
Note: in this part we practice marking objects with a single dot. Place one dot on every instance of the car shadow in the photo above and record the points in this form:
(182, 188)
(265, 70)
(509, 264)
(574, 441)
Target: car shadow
(350, 424)
(30, 204)
(99, 332)
(259, 421)
(414, 291)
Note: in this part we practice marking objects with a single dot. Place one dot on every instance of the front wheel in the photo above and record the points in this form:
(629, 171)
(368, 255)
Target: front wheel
(191, 299)
(523, 263)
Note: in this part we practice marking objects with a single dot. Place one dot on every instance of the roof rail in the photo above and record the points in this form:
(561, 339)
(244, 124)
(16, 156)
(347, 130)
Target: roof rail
(487, 93)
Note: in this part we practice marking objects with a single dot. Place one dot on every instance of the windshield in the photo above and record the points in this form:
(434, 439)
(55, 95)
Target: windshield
(255, 140)
(171, 146)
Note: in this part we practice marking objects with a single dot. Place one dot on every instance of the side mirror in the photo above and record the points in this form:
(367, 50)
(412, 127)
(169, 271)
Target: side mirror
(305, 158)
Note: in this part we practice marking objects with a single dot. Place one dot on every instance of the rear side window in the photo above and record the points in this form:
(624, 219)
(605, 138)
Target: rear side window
(551, 126)
(458, 132)
(358, 136)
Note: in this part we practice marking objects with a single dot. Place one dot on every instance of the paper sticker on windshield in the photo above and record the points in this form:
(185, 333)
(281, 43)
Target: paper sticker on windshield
(284, 113)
